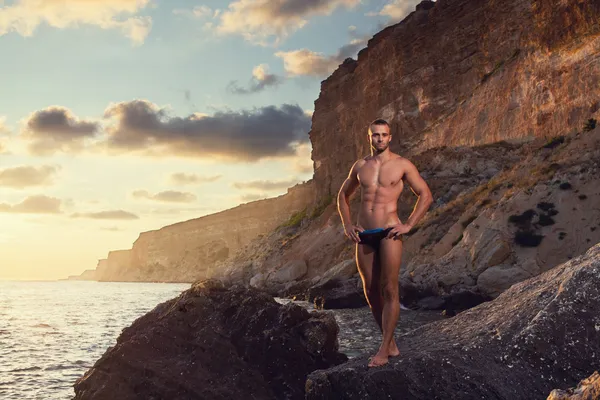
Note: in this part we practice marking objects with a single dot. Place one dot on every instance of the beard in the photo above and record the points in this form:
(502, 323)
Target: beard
(380, 149)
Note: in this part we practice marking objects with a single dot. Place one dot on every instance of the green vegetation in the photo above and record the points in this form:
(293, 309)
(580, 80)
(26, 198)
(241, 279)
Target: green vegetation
(528, 239)
(321, 206)
(295, 219)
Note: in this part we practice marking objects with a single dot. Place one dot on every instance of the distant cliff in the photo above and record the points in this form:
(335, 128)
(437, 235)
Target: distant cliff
(461, 72)
(189, 250)
(452, 78)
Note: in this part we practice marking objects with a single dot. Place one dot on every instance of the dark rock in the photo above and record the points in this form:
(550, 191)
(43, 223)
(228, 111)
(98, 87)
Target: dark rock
(215, 343)
(453, 302)
(541, 334)
(338, 294)
(431, 303)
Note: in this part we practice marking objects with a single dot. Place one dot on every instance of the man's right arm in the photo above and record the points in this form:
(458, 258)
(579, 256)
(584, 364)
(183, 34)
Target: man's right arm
(343, 200)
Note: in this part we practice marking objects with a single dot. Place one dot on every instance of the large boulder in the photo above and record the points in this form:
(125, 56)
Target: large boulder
(588, 389)
(541, 334)
(215, 343)
(336, 293)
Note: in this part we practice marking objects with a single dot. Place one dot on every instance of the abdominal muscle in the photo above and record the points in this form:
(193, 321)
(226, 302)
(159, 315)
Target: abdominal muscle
(377, 214)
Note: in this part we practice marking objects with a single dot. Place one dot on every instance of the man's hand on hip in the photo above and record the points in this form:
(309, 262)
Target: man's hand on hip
(398, 230)
(351, 232)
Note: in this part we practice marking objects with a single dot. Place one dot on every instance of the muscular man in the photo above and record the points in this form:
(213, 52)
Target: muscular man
(379, 230)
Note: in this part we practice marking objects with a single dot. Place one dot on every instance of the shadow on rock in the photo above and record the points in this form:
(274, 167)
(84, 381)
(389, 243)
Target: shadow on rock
(215, 343)
(539, 335)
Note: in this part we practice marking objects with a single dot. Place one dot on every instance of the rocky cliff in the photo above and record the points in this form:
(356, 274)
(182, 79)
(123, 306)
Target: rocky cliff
(462, 72)
(189, 250)
(213, 342)
(541, 334)
(503, 213)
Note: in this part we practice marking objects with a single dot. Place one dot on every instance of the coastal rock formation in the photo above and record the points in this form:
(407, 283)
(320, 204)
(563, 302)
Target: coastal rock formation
(190, 250)
(461, 73)
(213, 342)
(541, 334)
(588, 389)
(528, 218)
(503, 213)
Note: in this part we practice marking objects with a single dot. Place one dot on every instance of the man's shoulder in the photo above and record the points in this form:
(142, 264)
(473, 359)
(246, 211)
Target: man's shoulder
(402, 160)
(361, 161)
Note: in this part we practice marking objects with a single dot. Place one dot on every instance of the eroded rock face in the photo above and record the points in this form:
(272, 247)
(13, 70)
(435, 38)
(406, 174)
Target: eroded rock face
(461, 72)
(214, 342)
(541, 334)
(587, 389)
(190, 250)
(538, 213)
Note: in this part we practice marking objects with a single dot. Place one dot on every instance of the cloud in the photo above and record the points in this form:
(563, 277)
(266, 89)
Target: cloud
(243, 136)
(258, 21)
(396, 10)
(197, 12)
(112, 229)
(4, 130)
(266, 185)
(38, 204)
(170, 196)
(181, 178)
(252, 197)
(24, 16)
(113, 214)
(260, 80)
(57, 129)
(26, 176)
(304, 62)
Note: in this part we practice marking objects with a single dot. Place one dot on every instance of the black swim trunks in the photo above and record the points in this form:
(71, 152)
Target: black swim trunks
(372, 237)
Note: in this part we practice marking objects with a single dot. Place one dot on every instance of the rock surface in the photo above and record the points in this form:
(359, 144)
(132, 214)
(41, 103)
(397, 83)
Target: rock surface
(541, 334)
(461, 73)
(215, 343)
(588, 389)
(188, 251)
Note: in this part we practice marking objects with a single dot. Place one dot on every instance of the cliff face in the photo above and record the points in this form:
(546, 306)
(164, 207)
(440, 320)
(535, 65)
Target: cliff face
(189, 250)
(461, 72)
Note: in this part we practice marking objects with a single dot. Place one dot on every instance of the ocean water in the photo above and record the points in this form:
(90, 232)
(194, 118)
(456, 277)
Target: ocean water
(52, 332)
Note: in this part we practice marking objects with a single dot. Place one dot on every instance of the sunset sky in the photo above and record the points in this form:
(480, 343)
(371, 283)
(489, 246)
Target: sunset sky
(123, 116)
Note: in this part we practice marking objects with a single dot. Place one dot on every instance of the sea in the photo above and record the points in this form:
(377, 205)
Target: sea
(51, 333)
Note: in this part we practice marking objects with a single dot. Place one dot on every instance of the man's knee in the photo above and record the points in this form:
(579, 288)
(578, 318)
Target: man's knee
(372, 295)
(389, 290)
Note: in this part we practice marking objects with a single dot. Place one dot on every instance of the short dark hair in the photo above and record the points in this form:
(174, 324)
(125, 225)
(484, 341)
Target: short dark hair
(379, 121)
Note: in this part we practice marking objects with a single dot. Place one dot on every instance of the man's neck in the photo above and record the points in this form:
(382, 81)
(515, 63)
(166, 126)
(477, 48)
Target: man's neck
(381, 156)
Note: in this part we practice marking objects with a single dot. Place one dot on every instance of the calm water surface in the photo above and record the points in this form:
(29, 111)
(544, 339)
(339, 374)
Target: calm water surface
(51, 333)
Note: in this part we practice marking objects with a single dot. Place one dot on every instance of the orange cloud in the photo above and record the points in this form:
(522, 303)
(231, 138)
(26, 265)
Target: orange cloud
(38, 204)
(310, 63)
(112, 214)
(24, 16)
(171, 196)
(25, 176)
(259, 20)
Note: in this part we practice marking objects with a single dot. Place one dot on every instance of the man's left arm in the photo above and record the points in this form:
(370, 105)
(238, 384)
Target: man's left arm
(425, 198)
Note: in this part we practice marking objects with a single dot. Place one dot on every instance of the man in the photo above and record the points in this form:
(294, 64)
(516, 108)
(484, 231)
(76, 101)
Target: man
(379, 230)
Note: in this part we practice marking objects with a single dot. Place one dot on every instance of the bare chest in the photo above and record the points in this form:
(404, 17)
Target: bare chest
(374, 175)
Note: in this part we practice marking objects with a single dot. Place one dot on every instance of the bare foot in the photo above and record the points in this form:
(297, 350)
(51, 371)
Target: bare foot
(378, 359)
(394, 352)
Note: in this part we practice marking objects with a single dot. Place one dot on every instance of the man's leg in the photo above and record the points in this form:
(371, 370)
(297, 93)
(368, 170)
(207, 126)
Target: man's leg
(369, 270)
(390, 255)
